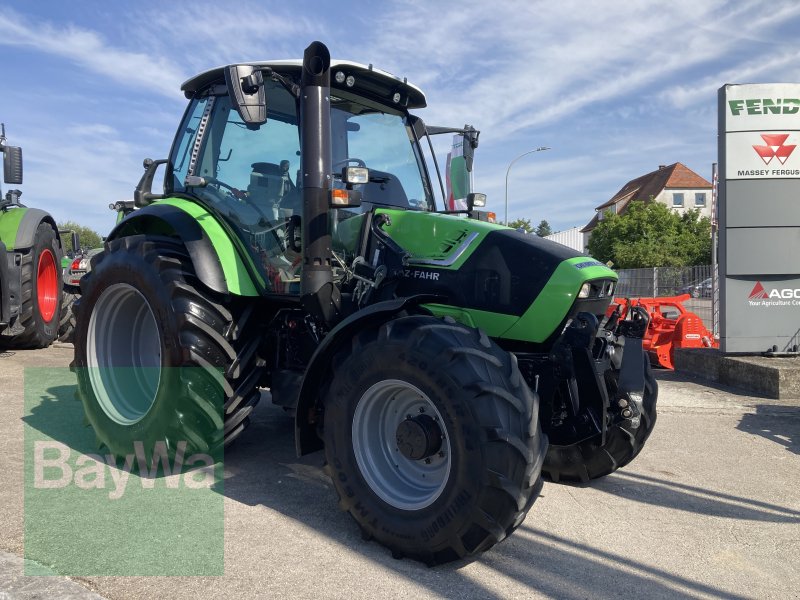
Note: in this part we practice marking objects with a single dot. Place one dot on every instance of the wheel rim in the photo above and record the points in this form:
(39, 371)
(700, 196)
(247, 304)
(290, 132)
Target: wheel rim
(124, 354)
(47, 285)
(400, 481)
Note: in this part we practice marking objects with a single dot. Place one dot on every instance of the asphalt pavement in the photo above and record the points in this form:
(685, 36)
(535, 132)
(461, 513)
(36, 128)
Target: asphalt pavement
(710, 509)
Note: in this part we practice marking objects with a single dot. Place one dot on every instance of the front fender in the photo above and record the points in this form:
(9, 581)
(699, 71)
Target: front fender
(216, 260)
(319, 367)
(18, 227)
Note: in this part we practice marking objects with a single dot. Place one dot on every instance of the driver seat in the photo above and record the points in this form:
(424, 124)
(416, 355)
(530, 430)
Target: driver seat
(269, 184)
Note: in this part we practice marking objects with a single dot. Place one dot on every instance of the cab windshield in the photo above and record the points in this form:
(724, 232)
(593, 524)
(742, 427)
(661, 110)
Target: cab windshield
(382, 141)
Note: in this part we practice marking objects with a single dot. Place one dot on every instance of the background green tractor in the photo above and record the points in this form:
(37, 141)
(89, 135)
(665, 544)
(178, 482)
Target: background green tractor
(30, 264)
(76, 268)
(297, 246)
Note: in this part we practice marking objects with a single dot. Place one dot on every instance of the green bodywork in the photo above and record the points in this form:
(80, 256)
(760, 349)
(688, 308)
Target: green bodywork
(9, 226)
(434, 236)
(423, 235)
(552, 305)
(543, 316)
(431, 235)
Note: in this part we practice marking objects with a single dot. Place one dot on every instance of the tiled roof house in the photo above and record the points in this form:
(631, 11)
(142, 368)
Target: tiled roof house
(675, 185)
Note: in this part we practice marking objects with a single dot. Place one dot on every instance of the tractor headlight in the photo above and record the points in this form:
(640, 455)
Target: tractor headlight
(586, 289)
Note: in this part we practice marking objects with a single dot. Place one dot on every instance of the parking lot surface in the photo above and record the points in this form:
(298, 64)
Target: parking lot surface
(710, 509)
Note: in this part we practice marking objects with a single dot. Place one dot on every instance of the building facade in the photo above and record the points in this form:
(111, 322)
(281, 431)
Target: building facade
(675, 185)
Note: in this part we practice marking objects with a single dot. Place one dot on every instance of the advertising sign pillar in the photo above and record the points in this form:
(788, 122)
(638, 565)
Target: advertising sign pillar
(759, 217)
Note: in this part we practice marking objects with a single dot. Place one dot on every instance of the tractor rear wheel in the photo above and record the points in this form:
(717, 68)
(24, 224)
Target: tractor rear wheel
(66, 324)
(432, 438)
(589, 459)
(159, 357)
(41, 285)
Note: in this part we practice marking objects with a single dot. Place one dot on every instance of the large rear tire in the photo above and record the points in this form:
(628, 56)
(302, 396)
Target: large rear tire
(41, 285)
(432, 439)
(66, 324)
(589, 459)
(159, 357)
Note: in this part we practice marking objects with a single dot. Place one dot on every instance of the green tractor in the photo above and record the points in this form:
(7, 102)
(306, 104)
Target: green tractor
(30, 264)
(297, 246)
(76, 268)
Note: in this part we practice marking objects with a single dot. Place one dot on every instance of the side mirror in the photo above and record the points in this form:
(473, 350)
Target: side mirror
(73, 238)
(475, 199)
(246, 90)
(143, 194)
(12, 165)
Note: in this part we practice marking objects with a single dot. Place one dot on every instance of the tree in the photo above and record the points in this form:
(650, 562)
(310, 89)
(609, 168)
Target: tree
(524, 224)
(87, 238)
(543, 229)
(651, 235)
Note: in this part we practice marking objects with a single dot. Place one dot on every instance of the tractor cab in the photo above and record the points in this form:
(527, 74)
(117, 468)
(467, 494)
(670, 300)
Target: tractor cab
(249, 170)
(245, 165)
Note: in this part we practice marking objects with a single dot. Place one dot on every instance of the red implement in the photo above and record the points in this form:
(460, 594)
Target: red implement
(671, 326)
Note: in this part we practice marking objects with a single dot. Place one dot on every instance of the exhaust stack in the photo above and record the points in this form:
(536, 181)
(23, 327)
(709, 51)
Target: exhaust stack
(318, 294)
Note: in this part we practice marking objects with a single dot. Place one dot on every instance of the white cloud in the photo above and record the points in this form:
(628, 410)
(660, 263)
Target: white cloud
(89, 50)
(551, 60)
(784, 66)
(599, 82)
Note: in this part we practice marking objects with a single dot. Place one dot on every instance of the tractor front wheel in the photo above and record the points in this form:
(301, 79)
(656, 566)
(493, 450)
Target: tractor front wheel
(432, 438)
(590, 459)
(160, 358)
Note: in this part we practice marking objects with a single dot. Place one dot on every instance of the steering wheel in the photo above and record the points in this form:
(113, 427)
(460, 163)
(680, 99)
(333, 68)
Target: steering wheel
(235, 192)
(358, 161)
(238, 195)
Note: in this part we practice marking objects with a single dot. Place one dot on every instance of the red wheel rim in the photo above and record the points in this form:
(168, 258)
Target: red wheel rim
(47, 285)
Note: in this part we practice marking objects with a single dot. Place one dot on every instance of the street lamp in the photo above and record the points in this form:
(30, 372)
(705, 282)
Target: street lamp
(539, 149)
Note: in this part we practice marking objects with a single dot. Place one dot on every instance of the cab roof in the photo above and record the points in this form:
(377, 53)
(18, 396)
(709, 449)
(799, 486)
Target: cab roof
(368, 80)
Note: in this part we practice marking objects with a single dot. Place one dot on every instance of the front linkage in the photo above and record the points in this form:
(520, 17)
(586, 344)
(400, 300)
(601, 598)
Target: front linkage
(597, 395)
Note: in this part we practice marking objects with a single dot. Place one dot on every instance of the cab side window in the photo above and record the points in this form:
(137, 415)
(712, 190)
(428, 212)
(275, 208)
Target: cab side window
(249, 174)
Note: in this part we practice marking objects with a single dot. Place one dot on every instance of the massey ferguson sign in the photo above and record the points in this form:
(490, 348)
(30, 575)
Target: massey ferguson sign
(759, 217)
(762, 155)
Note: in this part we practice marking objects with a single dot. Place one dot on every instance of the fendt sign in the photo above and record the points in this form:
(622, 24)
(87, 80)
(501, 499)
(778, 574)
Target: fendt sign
(759, 217)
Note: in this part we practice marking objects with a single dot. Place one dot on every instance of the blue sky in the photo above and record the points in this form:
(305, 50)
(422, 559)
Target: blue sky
(91, 88)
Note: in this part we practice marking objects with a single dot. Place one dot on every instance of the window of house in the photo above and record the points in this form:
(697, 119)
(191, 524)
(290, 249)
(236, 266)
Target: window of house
(677, 199)
(700, 199)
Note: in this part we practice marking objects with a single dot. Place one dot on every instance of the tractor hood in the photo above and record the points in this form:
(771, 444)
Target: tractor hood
(498, 277)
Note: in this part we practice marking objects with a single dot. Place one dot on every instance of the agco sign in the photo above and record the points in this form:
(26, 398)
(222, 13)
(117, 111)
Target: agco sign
(760, 296)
